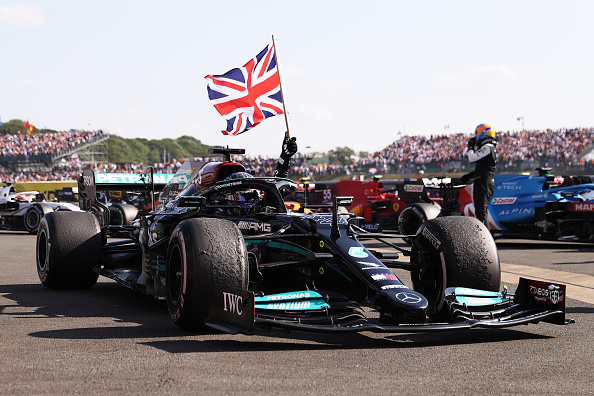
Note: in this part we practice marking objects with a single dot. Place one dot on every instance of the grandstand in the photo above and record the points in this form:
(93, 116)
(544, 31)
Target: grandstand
(61, 156)
(41, 152)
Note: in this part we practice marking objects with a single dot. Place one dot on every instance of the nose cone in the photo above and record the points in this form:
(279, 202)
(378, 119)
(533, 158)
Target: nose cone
(406, 299)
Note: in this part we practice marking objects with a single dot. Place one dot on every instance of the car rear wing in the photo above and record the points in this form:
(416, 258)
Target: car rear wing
(90, 183)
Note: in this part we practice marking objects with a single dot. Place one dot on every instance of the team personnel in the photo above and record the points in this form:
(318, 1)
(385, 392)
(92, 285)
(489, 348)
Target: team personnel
(481, 152)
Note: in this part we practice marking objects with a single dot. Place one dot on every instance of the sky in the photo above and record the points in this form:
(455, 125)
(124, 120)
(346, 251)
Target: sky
(355, 74)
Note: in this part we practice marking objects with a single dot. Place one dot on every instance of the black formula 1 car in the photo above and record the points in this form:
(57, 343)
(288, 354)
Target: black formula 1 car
(225, 252)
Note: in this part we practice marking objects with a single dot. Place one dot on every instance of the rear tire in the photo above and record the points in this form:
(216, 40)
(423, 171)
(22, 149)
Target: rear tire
(413, 216)
(122, 214)
(453, 252)
(69, 250)
(202, 252)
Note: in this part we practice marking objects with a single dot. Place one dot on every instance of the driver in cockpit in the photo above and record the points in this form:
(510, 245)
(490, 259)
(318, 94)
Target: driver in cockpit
(252, 200)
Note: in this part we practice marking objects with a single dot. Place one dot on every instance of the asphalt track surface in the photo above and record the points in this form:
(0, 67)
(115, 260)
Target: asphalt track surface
(110, 340)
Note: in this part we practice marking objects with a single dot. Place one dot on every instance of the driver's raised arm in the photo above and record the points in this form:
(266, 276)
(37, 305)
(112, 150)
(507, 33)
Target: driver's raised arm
(289, 148)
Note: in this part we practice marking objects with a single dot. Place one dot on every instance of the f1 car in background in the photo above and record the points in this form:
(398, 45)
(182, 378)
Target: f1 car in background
(225, 252)
(124, 195)
(377, 202)
(23, 211)
(540, 206)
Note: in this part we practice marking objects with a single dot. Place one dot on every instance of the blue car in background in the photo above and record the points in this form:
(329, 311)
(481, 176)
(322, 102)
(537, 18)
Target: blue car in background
(540, 206)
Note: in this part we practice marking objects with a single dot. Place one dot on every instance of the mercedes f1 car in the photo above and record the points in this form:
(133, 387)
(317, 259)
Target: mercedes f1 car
(540, 206)
(23, 211)
(224, 252)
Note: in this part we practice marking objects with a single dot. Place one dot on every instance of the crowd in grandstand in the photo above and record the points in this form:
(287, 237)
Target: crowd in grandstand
(42, 143)
(408, 154)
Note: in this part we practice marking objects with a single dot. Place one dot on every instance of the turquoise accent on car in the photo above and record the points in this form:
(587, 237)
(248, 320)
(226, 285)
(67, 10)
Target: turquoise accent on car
(306, 300)
(476, 297)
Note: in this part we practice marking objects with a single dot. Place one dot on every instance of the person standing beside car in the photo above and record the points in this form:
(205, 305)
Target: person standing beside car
(481, 152)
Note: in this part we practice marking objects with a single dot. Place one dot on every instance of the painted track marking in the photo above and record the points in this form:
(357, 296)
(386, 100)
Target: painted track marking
(579, 286)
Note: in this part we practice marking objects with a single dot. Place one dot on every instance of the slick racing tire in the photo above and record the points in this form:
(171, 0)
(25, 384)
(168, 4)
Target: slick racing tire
(69, 250)
(202, 252)
(122, 214)
(33, 216)
(453, 252)
(413, 216)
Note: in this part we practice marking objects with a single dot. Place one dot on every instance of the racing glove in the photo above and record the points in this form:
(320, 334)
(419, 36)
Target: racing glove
(289, 147)
(288, 150)
(466, 178)
(471, 143)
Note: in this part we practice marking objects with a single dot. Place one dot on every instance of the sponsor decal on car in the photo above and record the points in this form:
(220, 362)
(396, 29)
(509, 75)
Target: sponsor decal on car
(369, 266)
(509, 186)
(582, 207)
(508, 212)
(232, 303)
(386, 287)
(292, 301)
(410, 298)
(295, 305)
(378, 277)
(551, 294)
(431, 238)
(252, 225)
(357, 251)
(413, 187)
(370, 226)
(227, 185)
(131, 178)
(503, 200)
(289, 296)
(232, 307)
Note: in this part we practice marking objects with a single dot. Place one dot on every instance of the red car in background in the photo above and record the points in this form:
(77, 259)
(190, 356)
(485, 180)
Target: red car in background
(378, 202)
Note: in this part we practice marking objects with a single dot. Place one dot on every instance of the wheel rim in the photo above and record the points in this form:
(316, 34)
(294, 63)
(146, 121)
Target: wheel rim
(32, 219)
(42, 254)
(410, 224)
(431, 283)
(175, 275)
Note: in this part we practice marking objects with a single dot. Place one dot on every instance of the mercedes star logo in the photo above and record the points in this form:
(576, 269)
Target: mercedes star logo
(408, 297)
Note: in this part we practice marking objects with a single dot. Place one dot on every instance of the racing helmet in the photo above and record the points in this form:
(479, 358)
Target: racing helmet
(245, 200)
(483, 132)
(238, 175)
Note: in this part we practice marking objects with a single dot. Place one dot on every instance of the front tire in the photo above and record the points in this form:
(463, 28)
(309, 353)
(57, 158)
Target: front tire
(202, 252)
(453, 252)
(69, 250)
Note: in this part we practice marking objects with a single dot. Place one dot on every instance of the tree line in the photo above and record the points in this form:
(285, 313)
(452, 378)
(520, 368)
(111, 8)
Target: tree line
(140, 150)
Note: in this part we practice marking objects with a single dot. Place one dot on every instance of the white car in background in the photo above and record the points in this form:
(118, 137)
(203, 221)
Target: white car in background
(24, 210)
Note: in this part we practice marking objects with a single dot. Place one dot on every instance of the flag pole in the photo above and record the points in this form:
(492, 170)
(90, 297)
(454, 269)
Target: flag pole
(280, 84)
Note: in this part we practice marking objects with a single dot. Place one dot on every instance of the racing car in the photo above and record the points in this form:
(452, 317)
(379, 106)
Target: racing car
(225, 253)
(542, 206)
(126, 194)
(379, 203)
(23, 211)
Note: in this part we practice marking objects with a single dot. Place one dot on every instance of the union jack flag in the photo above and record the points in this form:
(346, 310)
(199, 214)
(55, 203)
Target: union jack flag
(247, 95)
